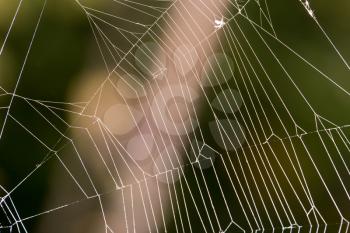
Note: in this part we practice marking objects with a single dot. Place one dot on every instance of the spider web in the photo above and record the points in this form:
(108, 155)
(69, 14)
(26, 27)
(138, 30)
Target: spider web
(240, 143)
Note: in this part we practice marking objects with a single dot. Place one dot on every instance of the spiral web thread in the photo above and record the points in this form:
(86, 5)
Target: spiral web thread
(268, 166)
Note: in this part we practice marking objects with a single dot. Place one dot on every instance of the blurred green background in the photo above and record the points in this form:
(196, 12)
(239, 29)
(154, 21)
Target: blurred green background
(64, 52)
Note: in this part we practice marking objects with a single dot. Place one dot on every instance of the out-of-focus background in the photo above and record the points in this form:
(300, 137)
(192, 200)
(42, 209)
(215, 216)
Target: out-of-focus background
(64, 58)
